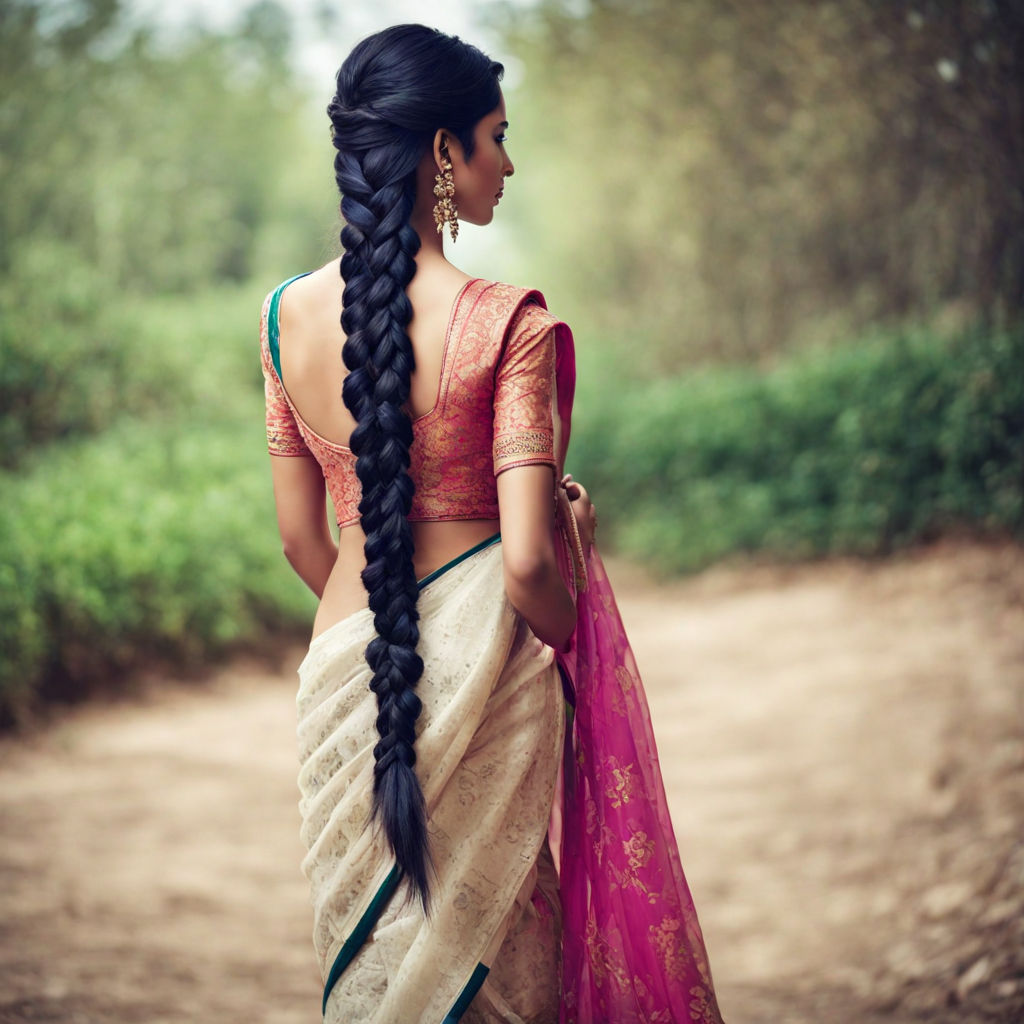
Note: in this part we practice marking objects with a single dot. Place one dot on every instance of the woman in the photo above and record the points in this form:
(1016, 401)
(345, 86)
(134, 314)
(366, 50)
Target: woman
(432, 704)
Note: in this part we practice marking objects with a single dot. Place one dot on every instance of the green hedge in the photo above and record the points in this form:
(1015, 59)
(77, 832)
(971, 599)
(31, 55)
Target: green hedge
(144, 544)
(76, 356)
(65, 357)
(137, 521)
(859, 449)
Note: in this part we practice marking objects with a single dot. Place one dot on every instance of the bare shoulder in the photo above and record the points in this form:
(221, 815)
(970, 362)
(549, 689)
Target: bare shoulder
(312, 304)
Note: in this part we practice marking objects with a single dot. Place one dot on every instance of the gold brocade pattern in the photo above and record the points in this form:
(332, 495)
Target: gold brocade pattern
(282, 436)
(668, 940)
(495, 408)
(638, 849)
(603, 960)
(528, 443)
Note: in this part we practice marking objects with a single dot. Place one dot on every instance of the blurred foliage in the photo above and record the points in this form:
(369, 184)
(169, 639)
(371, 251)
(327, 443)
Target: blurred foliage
(77, 356)
(64, 362)
(155, 540)
(161, 167)
(863, 449)
(743, 177)
(145, 182)
(146, 544)
(131, 169)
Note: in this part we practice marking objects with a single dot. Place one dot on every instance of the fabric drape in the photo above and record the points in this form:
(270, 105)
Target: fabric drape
(633, 950)
(488, 752)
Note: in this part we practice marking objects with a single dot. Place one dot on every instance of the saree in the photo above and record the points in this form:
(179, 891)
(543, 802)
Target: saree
(557, 888)
(488, 752)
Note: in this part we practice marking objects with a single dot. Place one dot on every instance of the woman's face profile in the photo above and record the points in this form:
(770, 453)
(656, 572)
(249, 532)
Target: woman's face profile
(479, 182)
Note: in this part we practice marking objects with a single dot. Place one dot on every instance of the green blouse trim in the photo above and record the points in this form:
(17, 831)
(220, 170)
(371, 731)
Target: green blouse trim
(273, 331)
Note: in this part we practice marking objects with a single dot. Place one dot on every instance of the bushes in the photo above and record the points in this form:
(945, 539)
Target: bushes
(860, 449)
(75, 355)
(63, 359)
(151, 543)
(780, 169)
(155, 537)
(140, 169)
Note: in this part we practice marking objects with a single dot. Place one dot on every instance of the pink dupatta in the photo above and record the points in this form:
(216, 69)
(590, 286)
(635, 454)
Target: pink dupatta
(632, 949)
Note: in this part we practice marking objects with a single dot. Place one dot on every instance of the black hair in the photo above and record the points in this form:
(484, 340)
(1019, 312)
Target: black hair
(394, 91)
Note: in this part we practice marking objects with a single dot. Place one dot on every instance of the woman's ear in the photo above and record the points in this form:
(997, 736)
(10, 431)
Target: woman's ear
(446, 142)
(440, 144)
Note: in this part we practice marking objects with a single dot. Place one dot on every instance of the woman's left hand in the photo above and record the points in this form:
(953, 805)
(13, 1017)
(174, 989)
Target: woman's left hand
(583, 509)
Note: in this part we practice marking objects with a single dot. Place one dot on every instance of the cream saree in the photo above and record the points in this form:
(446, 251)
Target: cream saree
(488, 751)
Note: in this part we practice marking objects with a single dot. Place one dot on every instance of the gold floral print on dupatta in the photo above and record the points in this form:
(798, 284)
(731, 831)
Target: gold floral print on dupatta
(620, 789)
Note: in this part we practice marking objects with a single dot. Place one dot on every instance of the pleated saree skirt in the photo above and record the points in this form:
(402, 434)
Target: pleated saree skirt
(488, 749)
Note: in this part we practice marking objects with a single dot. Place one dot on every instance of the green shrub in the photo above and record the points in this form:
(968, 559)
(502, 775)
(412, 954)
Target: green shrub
(858, 449)
(145, 543)
(64, 360)
(75, 356)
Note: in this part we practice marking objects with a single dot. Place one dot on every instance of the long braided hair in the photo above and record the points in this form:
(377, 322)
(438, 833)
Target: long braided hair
(394, 91)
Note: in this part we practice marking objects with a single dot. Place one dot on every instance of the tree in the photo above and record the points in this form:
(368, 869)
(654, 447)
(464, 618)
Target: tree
(743, 176)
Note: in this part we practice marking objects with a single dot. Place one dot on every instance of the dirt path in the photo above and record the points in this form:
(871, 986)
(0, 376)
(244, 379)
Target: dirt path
(844, 754)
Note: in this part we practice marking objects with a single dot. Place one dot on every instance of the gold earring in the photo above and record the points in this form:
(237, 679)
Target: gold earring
(444, 188)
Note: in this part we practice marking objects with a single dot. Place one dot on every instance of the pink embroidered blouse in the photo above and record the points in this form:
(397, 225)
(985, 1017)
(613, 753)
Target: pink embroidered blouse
(497, 406)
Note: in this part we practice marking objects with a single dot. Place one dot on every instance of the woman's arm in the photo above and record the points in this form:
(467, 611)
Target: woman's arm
(532, 580)
(301, 500)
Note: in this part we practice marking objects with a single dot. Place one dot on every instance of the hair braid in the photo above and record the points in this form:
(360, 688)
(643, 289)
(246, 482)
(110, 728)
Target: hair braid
(394, 91)
(380, 247)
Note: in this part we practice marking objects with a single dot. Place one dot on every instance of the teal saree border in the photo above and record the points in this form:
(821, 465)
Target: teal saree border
(459, 1007)
(430, 577)
(359, 934)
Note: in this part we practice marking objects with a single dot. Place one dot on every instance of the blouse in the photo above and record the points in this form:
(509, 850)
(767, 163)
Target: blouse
(497, 406)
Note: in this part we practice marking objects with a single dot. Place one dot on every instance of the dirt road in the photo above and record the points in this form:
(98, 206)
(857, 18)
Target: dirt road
(843, 749)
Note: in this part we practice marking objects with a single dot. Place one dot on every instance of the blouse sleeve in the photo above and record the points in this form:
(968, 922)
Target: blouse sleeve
(283, 437)
(524, 389)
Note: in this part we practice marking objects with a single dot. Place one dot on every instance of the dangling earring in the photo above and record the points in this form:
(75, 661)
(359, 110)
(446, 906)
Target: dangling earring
(444, 189)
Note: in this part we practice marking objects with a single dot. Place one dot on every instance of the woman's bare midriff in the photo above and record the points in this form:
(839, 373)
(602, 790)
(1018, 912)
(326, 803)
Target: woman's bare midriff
(436, 544)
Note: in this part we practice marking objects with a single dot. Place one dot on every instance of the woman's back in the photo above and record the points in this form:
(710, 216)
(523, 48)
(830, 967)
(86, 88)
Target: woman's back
(311, 340)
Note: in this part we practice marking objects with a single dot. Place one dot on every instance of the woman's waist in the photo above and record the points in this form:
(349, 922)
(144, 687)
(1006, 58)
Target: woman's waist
(471, 584)
(437, 544)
